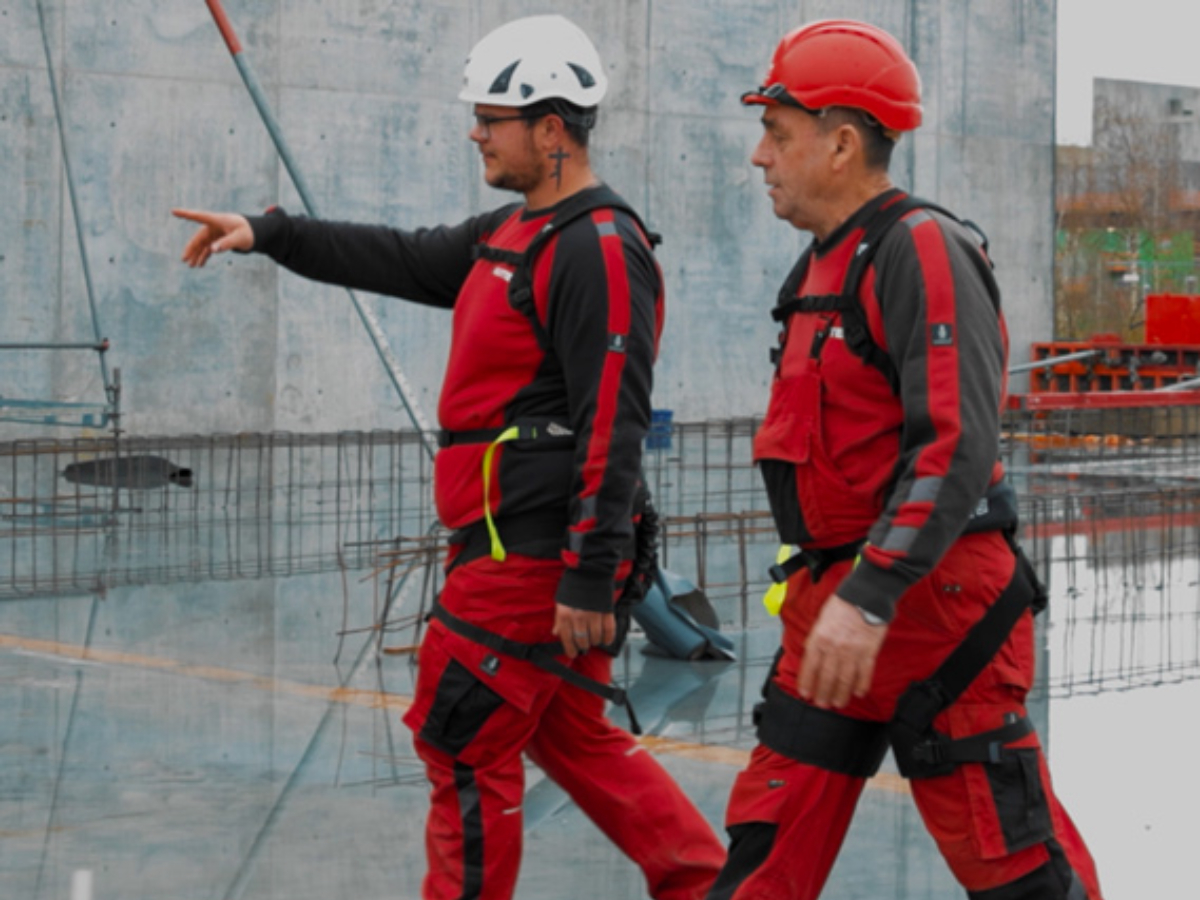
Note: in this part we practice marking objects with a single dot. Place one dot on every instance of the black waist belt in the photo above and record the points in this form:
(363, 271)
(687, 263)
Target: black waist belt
(478, 436)
(816, 561)
(996, 511)
(544, 656)
(545, 432)
(540, 534)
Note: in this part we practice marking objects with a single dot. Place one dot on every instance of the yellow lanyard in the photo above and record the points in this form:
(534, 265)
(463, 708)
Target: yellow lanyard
(777, 592)
(499, 554)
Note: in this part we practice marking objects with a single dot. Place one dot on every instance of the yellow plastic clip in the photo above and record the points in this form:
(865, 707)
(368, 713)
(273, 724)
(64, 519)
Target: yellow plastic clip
(777, 592)
(499, 554)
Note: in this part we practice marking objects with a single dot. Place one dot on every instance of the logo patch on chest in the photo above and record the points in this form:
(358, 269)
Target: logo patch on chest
(941, 334)
(502, 273)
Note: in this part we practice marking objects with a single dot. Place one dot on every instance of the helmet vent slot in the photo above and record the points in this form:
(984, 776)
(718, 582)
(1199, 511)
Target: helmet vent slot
(500, 85)
(585, 77)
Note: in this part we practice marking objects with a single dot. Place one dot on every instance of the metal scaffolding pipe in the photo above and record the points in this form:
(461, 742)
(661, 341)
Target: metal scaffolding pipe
(374, 331)
(1051, 361)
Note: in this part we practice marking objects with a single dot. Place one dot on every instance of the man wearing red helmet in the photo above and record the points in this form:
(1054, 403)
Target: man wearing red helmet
(906, 606)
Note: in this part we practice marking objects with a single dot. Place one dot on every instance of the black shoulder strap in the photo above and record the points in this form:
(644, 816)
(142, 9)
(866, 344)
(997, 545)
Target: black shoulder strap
(854, 321)
(520, 286)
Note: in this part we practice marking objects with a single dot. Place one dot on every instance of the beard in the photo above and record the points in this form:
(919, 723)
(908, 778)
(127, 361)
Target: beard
(519, 176)
(520, 180)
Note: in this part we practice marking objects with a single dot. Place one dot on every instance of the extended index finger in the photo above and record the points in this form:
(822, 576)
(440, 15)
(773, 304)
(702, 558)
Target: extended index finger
(194, 215)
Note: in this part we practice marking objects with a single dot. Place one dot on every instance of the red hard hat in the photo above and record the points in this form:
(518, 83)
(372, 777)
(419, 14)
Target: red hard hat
(840, 62)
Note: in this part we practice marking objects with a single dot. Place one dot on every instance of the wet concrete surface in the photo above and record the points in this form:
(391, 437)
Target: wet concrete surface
(221, 740)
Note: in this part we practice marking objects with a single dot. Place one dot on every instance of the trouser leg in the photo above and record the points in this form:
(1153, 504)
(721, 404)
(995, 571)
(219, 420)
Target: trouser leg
(787, 821)
(624, 790)
(1003, 832)
(999, 827)
(473, 834)
(471, 741)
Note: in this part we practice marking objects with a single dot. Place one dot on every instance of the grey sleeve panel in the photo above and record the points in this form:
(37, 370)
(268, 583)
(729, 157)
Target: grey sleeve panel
(946, 338)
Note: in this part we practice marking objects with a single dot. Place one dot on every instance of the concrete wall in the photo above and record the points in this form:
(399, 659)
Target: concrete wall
(155, 115)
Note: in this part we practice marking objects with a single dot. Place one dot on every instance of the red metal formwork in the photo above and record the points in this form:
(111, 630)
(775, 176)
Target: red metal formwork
(1115, 366)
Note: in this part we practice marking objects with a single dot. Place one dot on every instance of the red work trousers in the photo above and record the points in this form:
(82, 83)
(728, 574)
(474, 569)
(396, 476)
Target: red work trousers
(999, 826)
(476, 713)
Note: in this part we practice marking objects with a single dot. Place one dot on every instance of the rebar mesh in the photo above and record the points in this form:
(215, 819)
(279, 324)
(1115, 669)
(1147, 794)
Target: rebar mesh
(259, 505)
(1110, 519)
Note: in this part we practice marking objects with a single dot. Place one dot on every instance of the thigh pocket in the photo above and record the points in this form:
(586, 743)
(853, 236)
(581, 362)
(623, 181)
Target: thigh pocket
(461, 707)
(1019, 797)
(1009, 803)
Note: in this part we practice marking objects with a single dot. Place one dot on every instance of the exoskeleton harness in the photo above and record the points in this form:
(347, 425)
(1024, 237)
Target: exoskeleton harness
(795, 729)
(540, 533)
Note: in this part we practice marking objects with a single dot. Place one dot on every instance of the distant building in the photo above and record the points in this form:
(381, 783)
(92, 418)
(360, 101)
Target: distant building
(1128, 208)
(1145, 136)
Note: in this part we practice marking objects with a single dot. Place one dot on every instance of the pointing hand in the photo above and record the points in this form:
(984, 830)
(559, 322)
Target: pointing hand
(219, 232)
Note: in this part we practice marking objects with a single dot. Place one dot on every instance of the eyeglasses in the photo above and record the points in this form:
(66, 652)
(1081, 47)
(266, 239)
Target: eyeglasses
(779, 94)
(485, 122)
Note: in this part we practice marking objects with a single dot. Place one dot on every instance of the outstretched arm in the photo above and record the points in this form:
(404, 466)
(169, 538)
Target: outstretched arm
(218, 232)
(427, 265)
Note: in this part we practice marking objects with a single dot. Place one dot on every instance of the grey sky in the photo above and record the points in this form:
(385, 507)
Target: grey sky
(1146, 40)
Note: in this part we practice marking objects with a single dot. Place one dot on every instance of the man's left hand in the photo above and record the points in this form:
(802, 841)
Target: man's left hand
(839, 657)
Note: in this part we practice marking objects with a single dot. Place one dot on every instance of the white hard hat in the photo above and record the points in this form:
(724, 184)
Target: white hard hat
(532, 59)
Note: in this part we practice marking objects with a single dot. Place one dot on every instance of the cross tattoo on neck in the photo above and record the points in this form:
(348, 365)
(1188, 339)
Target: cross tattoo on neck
(558, 156)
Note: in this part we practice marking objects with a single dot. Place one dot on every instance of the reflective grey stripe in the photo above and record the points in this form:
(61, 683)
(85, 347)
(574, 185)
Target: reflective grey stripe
(898, 540)
(575, 541)
(606, 229)
(471, 812)
(587, 510)
(925, 490)
(912, 220)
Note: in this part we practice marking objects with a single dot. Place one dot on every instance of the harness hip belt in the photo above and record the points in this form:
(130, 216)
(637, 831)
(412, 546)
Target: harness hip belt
(817, 561)
(544, 656)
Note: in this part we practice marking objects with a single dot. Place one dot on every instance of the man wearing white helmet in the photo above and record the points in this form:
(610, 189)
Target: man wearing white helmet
(558, 308)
